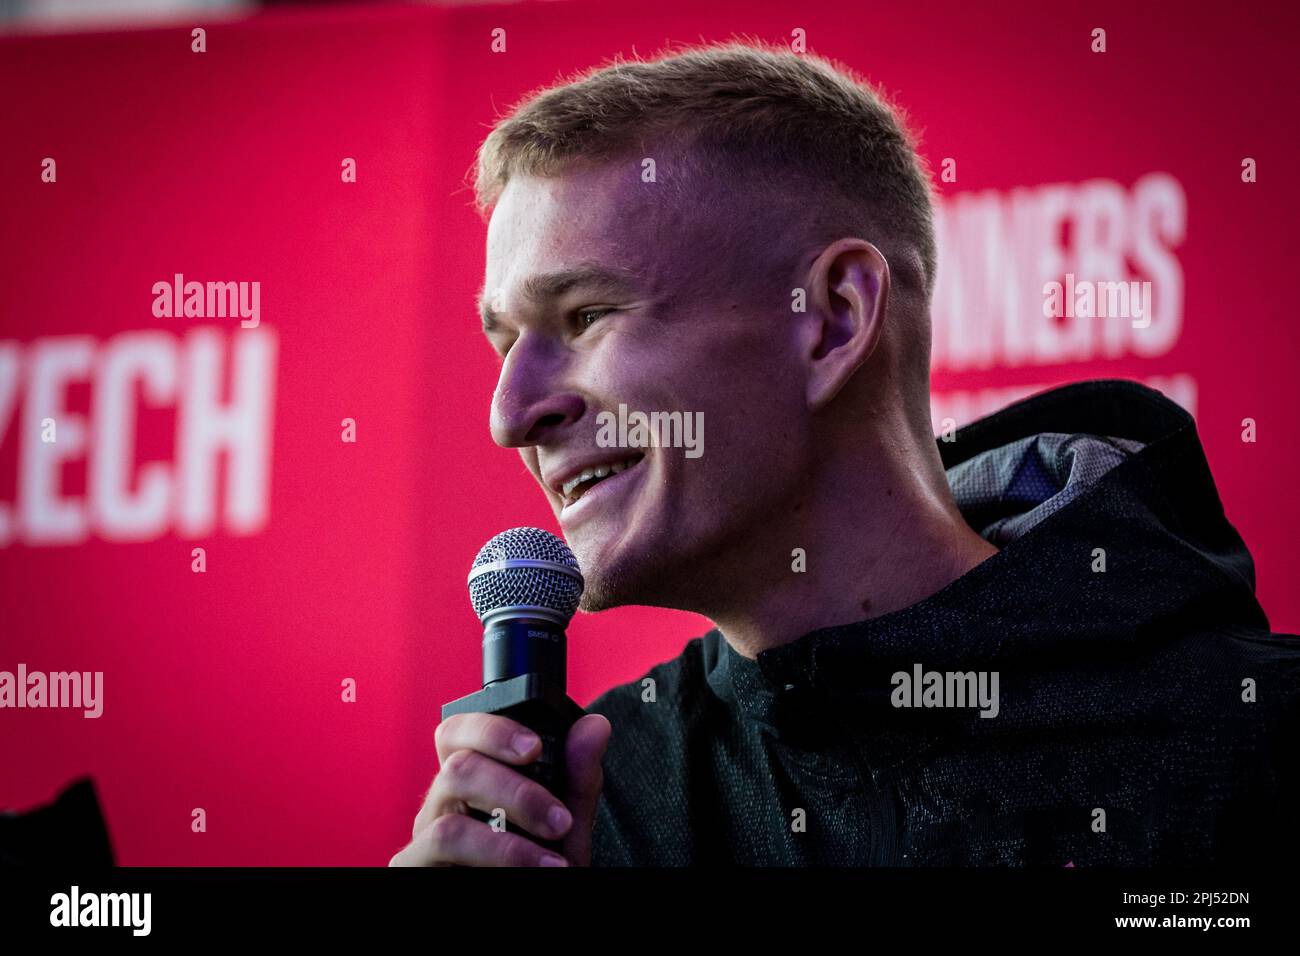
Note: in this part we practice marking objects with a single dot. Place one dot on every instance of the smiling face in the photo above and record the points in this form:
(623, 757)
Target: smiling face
(599, 292)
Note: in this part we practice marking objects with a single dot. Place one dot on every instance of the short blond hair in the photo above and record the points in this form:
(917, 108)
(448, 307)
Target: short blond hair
(804, 122)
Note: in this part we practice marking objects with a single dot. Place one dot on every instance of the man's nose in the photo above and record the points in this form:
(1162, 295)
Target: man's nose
(531, 401)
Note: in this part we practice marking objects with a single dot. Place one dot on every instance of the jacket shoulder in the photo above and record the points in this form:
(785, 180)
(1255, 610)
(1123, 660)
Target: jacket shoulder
(643, 816)
(1271, 660)
(674, 682)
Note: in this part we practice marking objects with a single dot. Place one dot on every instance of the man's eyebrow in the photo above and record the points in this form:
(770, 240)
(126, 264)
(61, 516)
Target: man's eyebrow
(552, 285)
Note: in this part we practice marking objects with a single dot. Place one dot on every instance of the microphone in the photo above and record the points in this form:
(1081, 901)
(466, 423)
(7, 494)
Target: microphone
(524, 586)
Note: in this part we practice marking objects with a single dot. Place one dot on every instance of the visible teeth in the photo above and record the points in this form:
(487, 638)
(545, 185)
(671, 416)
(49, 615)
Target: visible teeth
(601, 471)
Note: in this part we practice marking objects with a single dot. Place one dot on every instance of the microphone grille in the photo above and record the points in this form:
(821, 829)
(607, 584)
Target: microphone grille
(547, 576)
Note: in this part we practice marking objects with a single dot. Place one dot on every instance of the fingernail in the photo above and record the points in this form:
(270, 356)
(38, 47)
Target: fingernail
(559, 819)
(523, 743)
(550, 860)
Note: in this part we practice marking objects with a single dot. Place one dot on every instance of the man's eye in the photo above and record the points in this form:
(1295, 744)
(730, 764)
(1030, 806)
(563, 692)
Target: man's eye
(584, 321)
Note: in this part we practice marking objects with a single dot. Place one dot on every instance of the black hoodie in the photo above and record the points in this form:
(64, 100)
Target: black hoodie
(1144, 714)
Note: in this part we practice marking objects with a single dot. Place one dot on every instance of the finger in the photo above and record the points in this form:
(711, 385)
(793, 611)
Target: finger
(584, 749)
(491, 734)
(456, 840)
(470, 779)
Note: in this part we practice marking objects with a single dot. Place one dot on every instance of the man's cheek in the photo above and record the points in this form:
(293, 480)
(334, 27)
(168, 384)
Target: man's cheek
(529, 457)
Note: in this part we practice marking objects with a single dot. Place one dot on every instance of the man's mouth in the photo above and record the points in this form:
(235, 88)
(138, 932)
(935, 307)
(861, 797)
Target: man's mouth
(577, 486)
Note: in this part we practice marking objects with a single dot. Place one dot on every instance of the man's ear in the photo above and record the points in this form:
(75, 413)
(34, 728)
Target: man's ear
(848, 286)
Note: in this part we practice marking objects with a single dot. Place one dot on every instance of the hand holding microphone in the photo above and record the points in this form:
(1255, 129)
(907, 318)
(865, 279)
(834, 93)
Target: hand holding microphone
(519, 747)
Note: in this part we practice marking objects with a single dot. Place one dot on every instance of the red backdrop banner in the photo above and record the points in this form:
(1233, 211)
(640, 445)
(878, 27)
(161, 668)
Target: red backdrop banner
(200, 306)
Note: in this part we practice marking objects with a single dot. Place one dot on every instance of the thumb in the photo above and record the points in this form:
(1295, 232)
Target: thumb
(583, 752)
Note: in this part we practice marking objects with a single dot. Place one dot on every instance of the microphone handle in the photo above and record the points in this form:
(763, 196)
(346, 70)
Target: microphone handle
(524, 679)
(547, 768)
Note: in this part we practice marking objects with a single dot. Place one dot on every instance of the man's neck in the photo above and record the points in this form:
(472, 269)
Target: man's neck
(872, 543)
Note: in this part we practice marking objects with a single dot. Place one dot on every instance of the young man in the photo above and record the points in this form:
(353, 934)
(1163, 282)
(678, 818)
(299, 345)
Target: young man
(1036, 644)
